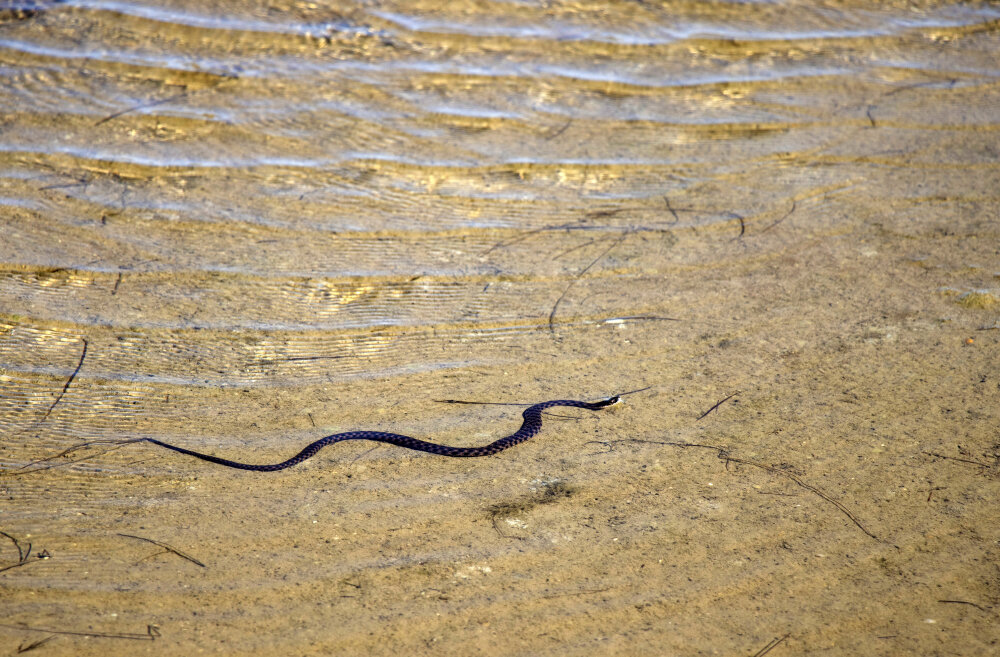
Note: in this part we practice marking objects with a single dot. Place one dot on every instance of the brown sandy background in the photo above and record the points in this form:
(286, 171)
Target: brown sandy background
(240, 227)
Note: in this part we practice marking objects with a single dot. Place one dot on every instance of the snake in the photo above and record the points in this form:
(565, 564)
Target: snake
(532, 425)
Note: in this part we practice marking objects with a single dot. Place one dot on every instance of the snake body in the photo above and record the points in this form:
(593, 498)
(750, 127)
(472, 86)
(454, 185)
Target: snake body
(532, 424)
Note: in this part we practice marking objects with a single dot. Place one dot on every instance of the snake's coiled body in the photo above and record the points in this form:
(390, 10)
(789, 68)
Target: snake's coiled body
(532, 424)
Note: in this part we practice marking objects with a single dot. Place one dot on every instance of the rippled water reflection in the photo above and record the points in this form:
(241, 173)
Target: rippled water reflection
(257, 213)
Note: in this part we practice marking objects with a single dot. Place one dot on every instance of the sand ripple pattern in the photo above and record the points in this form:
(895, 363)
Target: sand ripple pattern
(270, 220)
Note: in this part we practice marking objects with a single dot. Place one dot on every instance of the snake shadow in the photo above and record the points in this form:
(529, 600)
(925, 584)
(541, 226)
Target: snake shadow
(509, 509)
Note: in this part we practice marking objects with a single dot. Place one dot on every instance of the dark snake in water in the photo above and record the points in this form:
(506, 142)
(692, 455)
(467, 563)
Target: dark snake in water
(532, 424)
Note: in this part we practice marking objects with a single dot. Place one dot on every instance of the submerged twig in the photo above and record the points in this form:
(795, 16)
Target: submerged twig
(68, 382)
(770, 645)
(558, 132)
(572, 249)
(555, 306)
(724, 455)
(743, 225)
(526, 234)
(964, 602)
(462, 401)
(118, 444)
(666, 199)
(580, 592)
(785, 216)
(960, 460)
(166, 547)
(151, 634)
(649, 318)
(718, 404)
(15, 565)
(34, 644)
(22, 554)
(140, 106)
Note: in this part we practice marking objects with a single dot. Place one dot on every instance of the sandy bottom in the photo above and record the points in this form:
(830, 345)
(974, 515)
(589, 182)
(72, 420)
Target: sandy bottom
(239, 239)
(843, 496)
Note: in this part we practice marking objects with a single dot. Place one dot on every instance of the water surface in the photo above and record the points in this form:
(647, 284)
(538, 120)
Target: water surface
(240, 226)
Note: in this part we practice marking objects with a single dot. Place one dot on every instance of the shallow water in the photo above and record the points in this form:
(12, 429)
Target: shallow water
(241, 226)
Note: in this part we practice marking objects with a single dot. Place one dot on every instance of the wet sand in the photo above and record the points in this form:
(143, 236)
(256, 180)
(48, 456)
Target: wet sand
(238, 231)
